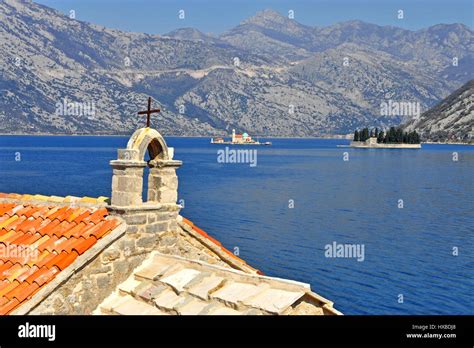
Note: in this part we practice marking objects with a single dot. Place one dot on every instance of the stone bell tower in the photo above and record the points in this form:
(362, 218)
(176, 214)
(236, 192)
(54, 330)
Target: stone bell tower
(160, 211)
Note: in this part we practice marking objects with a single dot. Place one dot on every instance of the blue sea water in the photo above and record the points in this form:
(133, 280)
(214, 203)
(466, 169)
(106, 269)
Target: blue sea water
(408, 251)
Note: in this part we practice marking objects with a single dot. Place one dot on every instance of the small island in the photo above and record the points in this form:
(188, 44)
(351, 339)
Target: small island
(238, 139)
(394, 138)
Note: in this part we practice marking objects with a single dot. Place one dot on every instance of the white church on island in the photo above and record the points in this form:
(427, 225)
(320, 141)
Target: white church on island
(239, 139)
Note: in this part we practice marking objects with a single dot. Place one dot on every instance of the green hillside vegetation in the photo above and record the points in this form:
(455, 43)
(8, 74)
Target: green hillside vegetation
(392, 136)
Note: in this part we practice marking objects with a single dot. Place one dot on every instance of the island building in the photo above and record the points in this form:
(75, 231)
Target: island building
(238, 139)
(372, 143)
(241, 138)
(127, 255)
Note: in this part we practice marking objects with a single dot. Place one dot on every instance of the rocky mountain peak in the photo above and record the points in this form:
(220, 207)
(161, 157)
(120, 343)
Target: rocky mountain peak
(48, 59)
(270, 19)
(266, 17)
(189, 34)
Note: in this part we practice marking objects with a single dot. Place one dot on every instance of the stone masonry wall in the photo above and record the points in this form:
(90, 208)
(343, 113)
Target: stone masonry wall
(151, 225)
(147, 230)
(127, 184)
(90, 285)
(163, 185)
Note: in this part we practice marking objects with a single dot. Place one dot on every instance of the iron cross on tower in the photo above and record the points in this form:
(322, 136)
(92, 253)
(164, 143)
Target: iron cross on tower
(148, 112)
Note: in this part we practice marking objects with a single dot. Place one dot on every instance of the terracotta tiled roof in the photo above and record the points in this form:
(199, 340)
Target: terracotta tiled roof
(218, 244)
(39, 240)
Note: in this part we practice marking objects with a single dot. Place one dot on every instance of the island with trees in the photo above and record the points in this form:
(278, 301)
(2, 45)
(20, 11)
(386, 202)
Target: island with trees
(394, 138)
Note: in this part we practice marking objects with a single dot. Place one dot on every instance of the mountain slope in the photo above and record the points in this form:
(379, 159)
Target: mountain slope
(268, 76)
(450, 120)
(47, 58)
(268, 30)
(193, 34)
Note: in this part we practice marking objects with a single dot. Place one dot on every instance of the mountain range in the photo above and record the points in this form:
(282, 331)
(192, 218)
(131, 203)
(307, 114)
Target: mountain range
(451, 120)
(269, 76)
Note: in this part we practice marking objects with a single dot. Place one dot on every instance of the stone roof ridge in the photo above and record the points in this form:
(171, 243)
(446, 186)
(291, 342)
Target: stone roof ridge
(214, 245)
(168, 284)
(289, 282)
(39, 199)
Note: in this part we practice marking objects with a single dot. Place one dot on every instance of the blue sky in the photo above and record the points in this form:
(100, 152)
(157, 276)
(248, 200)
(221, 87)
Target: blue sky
(216, 16)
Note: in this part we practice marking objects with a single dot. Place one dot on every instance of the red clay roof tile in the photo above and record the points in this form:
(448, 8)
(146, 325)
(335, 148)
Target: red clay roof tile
(22, 292)
(40, 212)
(62, 264)
(22, 277)
(43, 276)
(10, 286)
(62, 228)
(76, 229)
(58, 258)
(44, 258)
(83, 244)
(32, 239)
(14, 223)
(10, 295)
(32, 277)
(38, 242)
(85, 232)
(49, 228)
(75, 214)
(53, 246)
(6, 222)
(65, 245)
(51, 212)
(12, 237)
(14, 210)
(6, 308)
(201, 232)
(29, 213)
(5, 208)
(4, 284)
(54, 237)
(189, 222)
(3, 300)
(11, 273)
(96, 216)
(56, 213)
(65, 214)
(6, 265)
(81, 217)
(22, 237)
(24, 211)
(3, 218)
(30, 225)
(112, 224)
(23, 221)
(47, 244)
(7, 235)
(101, 229)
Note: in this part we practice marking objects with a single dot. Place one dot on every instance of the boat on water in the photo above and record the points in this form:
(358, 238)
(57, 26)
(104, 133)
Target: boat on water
(238, 139)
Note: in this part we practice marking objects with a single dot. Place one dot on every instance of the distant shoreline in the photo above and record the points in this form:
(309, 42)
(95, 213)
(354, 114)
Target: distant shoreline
(209, 136)
(170, 135)
(446, 143)
(364, 145)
